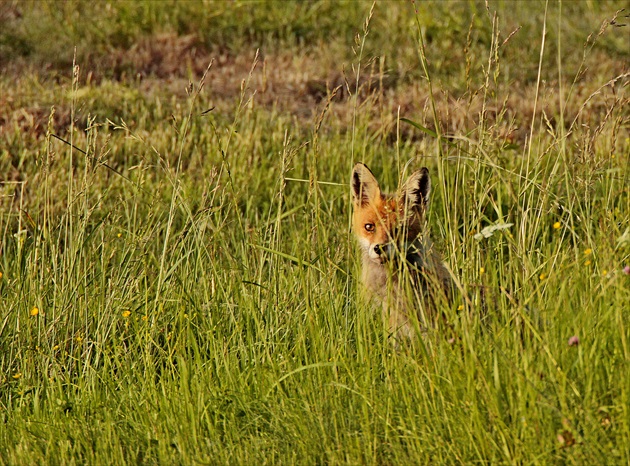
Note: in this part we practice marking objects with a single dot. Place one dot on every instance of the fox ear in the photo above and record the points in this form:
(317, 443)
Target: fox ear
(416, 190)
(364, 186)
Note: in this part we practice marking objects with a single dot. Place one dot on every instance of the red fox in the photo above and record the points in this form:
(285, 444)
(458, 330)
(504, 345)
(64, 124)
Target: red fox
(401, 269)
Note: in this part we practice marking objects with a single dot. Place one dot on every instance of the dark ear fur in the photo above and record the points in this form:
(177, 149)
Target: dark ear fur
(416, 190)
(364, 185)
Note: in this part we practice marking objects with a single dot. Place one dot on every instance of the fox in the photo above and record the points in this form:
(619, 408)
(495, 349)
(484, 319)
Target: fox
(401, 269)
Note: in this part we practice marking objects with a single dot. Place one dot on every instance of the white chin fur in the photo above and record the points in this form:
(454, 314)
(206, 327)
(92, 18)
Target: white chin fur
(375, 257)
(368, 248)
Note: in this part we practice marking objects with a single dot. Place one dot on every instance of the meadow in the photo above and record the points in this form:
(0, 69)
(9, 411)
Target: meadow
(178, 279)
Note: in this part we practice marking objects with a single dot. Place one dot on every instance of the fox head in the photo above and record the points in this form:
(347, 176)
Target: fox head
(388, 226)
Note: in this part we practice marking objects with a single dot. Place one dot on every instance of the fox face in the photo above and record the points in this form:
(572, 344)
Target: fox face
(387, 226)
(401, 269)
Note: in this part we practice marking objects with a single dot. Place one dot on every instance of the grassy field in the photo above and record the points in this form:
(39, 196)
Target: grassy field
(178, 280)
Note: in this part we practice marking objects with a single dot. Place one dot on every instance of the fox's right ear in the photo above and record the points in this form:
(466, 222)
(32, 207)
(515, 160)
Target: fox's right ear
(364, 185)
(416, 190)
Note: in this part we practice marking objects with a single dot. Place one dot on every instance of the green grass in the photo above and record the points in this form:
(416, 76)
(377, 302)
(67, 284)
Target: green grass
(181, 286)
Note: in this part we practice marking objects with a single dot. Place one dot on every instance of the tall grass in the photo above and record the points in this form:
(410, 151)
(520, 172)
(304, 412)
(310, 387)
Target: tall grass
(179, 285)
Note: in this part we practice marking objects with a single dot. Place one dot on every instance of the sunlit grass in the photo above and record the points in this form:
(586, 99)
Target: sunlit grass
(181, 285)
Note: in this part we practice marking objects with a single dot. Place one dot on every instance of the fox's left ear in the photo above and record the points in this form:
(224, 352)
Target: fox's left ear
(416, 190)
(364, 186)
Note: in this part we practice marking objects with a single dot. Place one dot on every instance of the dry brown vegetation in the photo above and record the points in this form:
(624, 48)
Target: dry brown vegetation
(295, 82)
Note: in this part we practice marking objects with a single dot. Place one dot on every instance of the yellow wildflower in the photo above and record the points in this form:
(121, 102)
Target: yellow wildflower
(34, 311)
(588, 262)
(588, 251)
(460, 307)
(482, 270)
(556, 225)
(542, 276)
(17, 375)
(126, 313)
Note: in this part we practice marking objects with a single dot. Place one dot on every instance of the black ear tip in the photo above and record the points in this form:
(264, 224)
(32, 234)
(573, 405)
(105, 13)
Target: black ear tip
(359, 166)
(361, 171)
(424, 184)
(424, 177)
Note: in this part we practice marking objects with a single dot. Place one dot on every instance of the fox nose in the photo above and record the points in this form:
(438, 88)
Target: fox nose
(378, 249)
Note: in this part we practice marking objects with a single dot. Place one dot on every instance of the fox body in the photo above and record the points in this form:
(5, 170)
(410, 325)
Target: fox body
(401, 269)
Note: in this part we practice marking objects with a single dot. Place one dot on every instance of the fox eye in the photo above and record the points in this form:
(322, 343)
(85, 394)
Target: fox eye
(369, 227)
